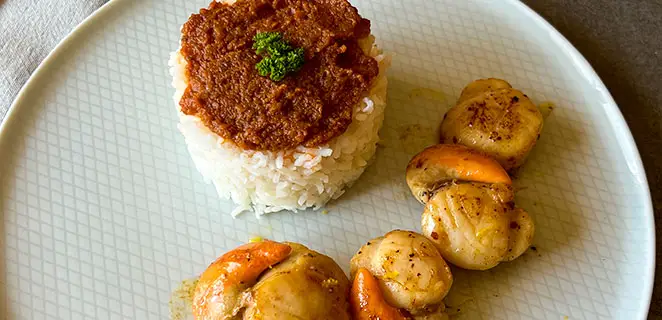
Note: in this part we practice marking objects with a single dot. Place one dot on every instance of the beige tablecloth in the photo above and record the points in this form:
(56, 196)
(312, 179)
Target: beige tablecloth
(29, 30)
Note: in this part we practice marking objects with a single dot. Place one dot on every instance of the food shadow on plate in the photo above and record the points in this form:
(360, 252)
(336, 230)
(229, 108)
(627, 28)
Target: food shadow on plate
(544, 185)
(411, 124)
(469, 293)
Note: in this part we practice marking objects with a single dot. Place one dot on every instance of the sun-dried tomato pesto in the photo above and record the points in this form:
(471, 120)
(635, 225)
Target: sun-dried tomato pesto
(309, 107)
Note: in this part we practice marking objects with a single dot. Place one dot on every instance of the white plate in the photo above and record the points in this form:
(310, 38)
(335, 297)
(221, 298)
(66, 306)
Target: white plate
(104, 212)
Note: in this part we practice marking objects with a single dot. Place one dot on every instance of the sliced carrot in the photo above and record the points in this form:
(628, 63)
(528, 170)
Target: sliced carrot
(236, 270)
(247, 262)
(368, 301)
(444, 162)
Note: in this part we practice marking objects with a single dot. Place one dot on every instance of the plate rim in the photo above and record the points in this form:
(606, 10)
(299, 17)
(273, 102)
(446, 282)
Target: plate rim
(617, 121)
(55, 53)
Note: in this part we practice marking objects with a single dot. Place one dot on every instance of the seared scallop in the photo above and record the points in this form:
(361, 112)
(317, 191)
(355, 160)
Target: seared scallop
(308, 285)
(410, 272)
(475, 225)
(494, 118)
(469, 214)
(271, 280)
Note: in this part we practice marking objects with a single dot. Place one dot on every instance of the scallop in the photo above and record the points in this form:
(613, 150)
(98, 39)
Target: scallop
(496, 119)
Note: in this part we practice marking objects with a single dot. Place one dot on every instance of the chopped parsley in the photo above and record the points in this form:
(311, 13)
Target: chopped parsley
(278, 57)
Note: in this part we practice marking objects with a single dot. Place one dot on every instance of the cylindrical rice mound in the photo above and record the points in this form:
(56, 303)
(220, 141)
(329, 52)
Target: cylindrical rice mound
(265, 181)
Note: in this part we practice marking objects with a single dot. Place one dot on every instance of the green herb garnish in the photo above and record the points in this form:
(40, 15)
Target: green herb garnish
(279, 58)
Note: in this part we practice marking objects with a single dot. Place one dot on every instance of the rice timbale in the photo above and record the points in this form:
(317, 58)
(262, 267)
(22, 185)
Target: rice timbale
(279, 144)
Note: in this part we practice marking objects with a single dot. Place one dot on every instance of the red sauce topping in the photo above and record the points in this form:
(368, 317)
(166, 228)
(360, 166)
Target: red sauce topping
(309, 107)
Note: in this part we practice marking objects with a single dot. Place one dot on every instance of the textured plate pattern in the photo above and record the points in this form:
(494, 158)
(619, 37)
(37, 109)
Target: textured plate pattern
(104, 212)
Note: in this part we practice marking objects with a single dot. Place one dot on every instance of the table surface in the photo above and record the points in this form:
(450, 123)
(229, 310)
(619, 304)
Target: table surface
(622, 40)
